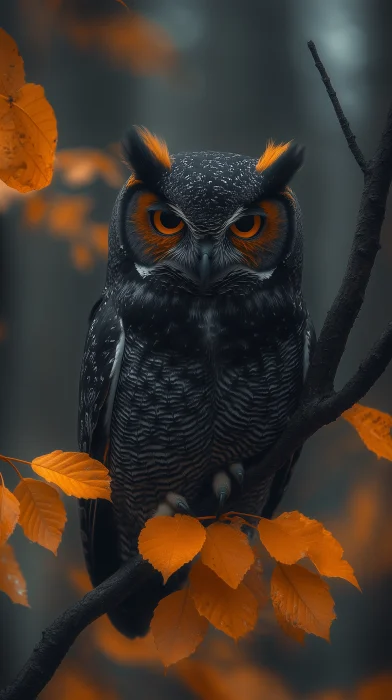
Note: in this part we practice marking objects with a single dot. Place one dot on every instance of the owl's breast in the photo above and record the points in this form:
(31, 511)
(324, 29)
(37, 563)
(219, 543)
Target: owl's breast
(178, 419)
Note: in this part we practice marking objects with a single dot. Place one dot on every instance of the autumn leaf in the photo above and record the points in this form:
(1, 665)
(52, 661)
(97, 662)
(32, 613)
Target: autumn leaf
(80, 580)
(12, 75)
(12, 581)
(232, 610)
(121, 650)
(81, 166)
(177, 627)
(169, 543)
(74, 682)
(253, 580)
(76, 473)
(236, 682)
(42, 513)
(292, 536)
(377, 688)
(227, 552)
(68, 214)
(290, 630)
(302, 599)
(129, 40)
(28, 130)
(82, 257)
(9, 512)
(35, 209)
(373, 427)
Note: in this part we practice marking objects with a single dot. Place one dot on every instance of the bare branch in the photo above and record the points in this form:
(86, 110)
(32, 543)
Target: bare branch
(62, 633)
(350, 138)
(348, 302)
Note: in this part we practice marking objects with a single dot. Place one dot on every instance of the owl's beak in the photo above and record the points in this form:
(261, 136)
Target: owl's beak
(204, 266)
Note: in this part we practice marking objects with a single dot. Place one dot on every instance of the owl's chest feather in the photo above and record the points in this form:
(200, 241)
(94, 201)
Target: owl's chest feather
(177, 413)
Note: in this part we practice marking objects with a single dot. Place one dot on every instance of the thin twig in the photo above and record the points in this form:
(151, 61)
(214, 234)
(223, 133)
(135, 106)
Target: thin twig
(350, 138)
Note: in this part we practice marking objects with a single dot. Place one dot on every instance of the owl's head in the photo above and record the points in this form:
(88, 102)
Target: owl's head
(206, 223)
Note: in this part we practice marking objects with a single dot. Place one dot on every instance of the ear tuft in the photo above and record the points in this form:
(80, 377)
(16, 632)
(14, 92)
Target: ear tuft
(271, 154)
(282, 167)
(147, 155)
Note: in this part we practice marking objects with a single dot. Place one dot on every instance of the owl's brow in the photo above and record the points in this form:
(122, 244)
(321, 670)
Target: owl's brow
(199, 230)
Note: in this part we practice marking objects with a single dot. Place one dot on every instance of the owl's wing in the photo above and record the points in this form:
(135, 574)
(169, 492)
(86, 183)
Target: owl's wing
(283, 476)
(98, 382)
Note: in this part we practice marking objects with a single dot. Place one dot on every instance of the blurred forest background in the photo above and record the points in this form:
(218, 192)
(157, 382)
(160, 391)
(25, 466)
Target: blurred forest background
(204, 74)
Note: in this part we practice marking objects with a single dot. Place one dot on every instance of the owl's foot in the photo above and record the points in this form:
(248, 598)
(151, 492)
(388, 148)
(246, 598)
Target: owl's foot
(222, 484)
(173, 503)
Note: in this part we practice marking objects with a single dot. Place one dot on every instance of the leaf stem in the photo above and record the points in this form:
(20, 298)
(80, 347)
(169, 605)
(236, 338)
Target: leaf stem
(8, 459)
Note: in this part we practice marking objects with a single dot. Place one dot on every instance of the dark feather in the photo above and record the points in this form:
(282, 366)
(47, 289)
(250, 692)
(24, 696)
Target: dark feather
(279, 174)
(146, 165)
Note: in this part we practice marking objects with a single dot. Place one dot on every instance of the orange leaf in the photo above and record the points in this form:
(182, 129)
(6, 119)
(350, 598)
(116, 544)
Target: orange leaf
(227, 552)
(290, 630)
(122, 650)
(254, 581)
(82, 257)
(234, 682)
(35, 210)
(12, 581)
(80, 580)
(73, 682)
(373, 427)
(302, 599)
(28, 134)
(42, 513)
(75, 473)
(177, 627)
(292, 536)
(231, 610)
(169, 543)
(81, 166)
(12, 74)
(378, 688)
(132, 41)
(67, 215)
(9, 513)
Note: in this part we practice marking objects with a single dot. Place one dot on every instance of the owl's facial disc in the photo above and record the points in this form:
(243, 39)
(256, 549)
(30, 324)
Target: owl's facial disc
(166, 244)
(207, 222)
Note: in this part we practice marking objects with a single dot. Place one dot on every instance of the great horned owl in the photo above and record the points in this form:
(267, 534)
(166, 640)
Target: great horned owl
(197, 349)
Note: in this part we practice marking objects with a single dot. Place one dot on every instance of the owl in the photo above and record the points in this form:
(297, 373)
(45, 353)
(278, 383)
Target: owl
(196, 351)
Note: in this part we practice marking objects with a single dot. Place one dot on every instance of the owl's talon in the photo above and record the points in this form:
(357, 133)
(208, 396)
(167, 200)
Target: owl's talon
(238, 472)
(178, 503)
(221, 485)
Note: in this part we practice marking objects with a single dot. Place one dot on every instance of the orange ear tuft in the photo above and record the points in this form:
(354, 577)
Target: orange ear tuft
(133, 181)
(271, 154)
(157, 147)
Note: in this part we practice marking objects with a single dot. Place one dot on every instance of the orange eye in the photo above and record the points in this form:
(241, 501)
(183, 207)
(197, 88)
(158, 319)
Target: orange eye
(166, 222)
(248, 226)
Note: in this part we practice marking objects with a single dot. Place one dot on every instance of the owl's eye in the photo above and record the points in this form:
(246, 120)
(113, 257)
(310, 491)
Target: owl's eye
(166, 222)
(248, 226)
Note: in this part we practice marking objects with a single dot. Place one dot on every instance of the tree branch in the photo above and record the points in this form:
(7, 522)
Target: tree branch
(319, 405)
(350, 138)
(62, 633)
(348, 302)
